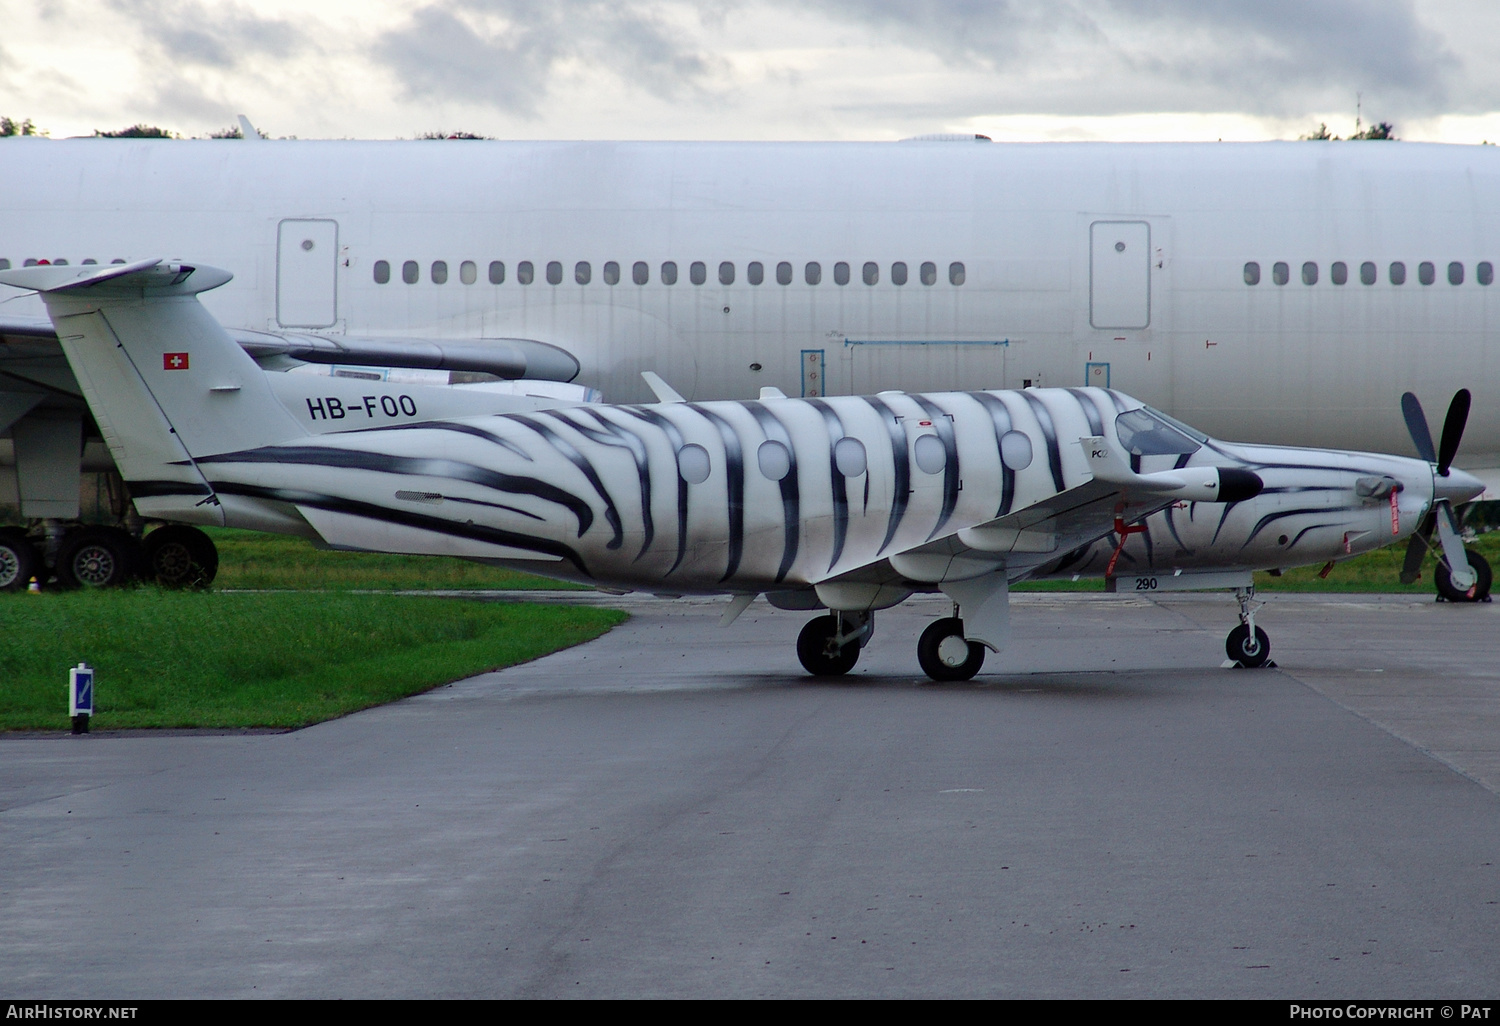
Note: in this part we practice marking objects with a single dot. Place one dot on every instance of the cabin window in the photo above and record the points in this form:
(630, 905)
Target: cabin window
(1455, 273)
(775, 459)
(783, 273)
(1484, 272)
(88, 260)
(755, 272)
(870, 273)
(726, 273)
(956, 273)
(467, 272)
(841, 273)
(31, 262)
(1309, 273)
(497, 272)
(813, 272)
(410, 272)
(669, 272)
(693, 463)
(1398, 273)
(382, 271)
(930, 453)
(5, 266)
(1280, 272)
(554, 272)
(118, 260)
(611, 273)
(898, 273)
(929, 273)
(1426, 273)
(1339, 272)
(1015, 450)
(697, 272)
(1252, 273)
(583, 273)
(640, 273)
(440, 272)
(525, 273)
(849, 457)
(1367, 273)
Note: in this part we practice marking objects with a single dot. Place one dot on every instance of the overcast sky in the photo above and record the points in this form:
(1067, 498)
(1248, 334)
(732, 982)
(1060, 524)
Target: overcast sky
(756, 69)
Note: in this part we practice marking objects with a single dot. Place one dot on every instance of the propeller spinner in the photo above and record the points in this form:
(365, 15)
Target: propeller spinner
(1449, 486)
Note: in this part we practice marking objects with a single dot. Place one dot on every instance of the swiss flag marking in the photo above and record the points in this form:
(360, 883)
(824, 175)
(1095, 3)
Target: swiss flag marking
(174, 361)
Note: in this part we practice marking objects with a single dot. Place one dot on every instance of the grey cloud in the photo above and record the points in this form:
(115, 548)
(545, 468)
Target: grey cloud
(1276, 57)
(502, 53)
(221, 37)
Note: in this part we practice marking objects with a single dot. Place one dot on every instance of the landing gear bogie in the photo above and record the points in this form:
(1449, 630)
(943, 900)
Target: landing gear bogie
(945, 654)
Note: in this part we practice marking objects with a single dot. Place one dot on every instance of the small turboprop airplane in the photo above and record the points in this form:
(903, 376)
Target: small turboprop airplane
(848, 504)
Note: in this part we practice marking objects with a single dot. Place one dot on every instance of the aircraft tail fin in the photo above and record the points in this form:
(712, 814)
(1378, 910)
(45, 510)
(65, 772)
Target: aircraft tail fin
(162, 378)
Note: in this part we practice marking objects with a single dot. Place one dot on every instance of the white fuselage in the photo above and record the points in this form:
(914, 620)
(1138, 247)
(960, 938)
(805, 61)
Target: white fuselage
(1046, 297)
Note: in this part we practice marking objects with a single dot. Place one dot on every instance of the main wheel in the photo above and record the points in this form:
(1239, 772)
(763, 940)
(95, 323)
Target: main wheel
(177, 556)
(944, 652)
(18, 560)
(1245, 650)
(97, 557)
(1482, 579)
(818, 653)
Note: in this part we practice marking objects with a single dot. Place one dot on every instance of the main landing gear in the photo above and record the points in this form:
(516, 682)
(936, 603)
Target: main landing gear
(945, 654)
(1247, 645)
(829, 645)
(173, 556)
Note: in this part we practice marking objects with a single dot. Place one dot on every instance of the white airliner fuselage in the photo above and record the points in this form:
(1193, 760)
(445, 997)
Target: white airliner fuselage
(1283, 291)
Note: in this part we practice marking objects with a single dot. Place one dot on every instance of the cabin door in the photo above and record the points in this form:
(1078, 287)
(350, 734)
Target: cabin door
(307, 255)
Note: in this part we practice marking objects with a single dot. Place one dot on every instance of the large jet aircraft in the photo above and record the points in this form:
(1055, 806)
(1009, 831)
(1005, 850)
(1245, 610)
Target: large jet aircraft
(1286, 291)
(847, 503)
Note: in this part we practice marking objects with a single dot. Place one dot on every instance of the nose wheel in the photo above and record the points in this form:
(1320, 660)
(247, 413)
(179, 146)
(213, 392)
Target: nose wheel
(944, 652)
(1247, 645)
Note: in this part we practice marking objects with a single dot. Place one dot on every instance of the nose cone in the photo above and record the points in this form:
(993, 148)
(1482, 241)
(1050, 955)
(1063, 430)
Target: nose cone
(1457, 487)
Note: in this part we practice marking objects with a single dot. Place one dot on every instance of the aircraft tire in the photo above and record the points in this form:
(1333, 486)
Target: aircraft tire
(816, 650)
(18, 560)
(1239, 647)
(1482, 580)
(97, 557)
(178, 556)
(939, 653)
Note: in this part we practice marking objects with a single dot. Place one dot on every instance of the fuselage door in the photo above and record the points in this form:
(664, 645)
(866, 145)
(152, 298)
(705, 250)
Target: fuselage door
(1119, 274)
(307, 252)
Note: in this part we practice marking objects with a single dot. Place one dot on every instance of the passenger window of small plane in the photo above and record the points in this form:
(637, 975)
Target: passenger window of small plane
(783, 273)
(1398, 273)
(467, 272)
(956, 273)
(1280, 272)
(410, 272)
(669, 273)
(813, 273)
(693, 463)
(1309, 273)
(931, 454)
(841, 273)
(440, 272)
(1455, 273)
(525, 272)
(1339, 272)
(382, 272)
(554, 272)
(1484, 273)
(640, 273)
(1252, 273)
(497, 272)
(1426, 273)
(775, 459)
(755, 272)
(849, 457)
(929, 273)
(1367, 273)
(611, 273)
(726, 273)
(898, 273)
(582, 272)
(871, 273)
(697, 272)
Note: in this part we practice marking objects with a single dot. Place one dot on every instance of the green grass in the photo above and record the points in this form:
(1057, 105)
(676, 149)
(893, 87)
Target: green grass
(1377, 571)
(249, 559)
(175, 659)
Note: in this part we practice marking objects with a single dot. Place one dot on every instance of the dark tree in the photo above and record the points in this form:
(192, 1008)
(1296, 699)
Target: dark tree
(9, 127)
(451, 135)
(136, 132)
(1384, 130)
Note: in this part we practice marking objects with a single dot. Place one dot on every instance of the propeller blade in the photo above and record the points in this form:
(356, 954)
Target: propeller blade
(1453, 430)
(1416, 426)
(1416, 549)
(1459, 571)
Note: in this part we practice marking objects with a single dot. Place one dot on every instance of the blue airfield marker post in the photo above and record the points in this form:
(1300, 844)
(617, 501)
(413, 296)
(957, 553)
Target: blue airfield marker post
(81, 696)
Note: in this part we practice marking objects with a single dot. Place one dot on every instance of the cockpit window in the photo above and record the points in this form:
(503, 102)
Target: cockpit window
(1148, 432)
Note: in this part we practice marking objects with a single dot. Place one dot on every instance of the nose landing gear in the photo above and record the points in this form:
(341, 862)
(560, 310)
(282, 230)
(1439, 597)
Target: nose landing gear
(1247, 645)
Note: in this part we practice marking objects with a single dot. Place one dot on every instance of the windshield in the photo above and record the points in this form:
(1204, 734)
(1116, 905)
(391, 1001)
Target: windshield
(1147, 432)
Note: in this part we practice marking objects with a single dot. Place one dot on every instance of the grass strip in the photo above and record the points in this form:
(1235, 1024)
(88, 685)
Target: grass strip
(175, 659)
